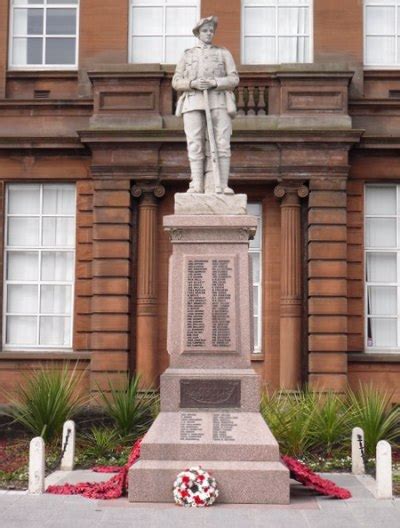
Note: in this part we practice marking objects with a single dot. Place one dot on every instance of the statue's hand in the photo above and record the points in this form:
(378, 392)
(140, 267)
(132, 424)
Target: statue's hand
(203, 84)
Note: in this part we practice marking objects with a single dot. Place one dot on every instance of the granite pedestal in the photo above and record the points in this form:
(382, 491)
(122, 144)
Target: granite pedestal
(210, 394)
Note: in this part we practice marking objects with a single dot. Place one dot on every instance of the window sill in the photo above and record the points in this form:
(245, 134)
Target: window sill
(381, 70)
(41, 68)
(374, 357)
(46, 354)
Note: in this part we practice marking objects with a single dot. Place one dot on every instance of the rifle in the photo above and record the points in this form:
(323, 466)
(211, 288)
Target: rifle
(213, 144)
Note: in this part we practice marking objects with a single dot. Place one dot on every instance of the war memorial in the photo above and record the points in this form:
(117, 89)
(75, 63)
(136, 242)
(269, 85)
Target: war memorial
(210, 394)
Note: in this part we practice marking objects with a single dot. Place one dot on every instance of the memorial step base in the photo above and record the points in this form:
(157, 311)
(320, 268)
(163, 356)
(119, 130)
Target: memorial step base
(219, 435)
(238, 482)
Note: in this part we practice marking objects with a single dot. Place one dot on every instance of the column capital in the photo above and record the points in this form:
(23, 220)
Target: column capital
(148, 188)
(291, 189)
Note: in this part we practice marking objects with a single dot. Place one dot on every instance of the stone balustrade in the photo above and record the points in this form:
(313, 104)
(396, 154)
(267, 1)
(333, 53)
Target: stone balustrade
(139, 95)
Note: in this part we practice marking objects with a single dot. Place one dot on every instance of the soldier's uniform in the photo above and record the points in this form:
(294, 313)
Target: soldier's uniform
(207, 62)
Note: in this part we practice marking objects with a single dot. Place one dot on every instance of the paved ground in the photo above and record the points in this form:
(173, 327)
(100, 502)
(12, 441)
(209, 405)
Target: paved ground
(20, 510)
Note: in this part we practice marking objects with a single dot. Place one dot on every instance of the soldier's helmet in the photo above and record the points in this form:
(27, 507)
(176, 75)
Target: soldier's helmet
(202, 21)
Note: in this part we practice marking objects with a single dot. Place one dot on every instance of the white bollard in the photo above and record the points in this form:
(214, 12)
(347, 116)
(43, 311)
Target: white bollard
(36, 465)
(357, 461)
(384, 484)
(67, 461)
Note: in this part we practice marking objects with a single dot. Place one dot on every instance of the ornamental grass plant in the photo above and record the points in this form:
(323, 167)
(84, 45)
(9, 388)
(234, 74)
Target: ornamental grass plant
(317, 426)
(99, 442)
(46, 399)
(373, 412)
(130, 408)
(289, 416)
(331, 424)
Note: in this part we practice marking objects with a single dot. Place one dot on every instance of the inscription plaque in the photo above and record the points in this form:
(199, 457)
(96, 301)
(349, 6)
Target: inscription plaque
(197, 393)
(224, 425)
(191, 427)
(210, 303)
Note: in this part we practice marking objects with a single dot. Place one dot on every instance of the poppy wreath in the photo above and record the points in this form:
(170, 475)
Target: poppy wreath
(195, 487)
(303, 474)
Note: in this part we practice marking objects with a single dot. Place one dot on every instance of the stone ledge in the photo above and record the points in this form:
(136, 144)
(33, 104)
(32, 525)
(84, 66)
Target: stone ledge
(371, 357)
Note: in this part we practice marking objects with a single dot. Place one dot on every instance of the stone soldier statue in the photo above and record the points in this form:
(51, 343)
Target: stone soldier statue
(212, 69)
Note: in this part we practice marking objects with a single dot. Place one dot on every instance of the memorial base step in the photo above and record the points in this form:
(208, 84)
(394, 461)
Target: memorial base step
(219, 435)
(238, 482)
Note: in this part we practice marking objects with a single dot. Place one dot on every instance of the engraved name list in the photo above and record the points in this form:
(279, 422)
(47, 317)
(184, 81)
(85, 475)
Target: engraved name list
(210, 303)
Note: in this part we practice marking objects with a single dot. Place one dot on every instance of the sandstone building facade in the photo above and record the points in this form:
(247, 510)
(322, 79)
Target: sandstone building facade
(91, 155)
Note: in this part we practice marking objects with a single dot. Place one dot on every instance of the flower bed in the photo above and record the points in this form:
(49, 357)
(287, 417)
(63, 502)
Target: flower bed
(14, 458)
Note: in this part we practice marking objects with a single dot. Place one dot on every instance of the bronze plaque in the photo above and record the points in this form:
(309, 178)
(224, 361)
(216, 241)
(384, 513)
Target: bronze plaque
(209, 393)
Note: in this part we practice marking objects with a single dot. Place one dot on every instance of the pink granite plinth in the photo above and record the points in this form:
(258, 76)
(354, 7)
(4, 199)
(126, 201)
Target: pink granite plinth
(238, 482)
(209, 270)
(210, 395)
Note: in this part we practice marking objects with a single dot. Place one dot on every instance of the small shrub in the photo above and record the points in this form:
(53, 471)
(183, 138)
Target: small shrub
(372, 411)
(130, 409)
(45, 400)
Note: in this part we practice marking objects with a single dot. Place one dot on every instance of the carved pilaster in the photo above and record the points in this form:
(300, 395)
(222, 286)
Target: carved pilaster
(291, 282)
(146, 302)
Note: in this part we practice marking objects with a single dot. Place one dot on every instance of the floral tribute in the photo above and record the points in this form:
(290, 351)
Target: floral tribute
(195, 487)
(307, 477)
(113, 488)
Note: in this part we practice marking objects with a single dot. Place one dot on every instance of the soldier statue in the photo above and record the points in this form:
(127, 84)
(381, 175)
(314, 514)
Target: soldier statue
(207, 76)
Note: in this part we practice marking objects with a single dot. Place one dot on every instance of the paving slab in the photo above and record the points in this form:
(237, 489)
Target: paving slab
(306, 510)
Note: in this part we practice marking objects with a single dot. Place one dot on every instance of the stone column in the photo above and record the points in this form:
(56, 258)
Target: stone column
(291, 283)
(146, 297)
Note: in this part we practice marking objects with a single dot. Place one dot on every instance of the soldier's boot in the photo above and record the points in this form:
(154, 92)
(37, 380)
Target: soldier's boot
(224, 166)
(197, 176)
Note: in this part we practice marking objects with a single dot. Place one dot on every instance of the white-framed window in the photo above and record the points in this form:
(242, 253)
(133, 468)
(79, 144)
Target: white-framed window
(44, 34)
(161, 30)
(382, 33)
(255, 251)
(382, 267)
(277, 31)
(39, 264)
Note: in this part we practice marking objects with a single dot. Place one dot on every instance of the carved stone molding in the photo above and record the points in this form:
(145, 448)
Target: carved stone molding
(291, 191)
(148, 188)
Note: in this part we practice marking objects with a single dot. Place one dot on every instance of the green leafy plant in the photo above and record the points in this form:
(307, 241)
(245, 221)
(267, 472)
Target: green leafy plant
(46, 399)
(330, 426)
(372, 411)
(290, 417)
(130, 408)
(99, 442)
